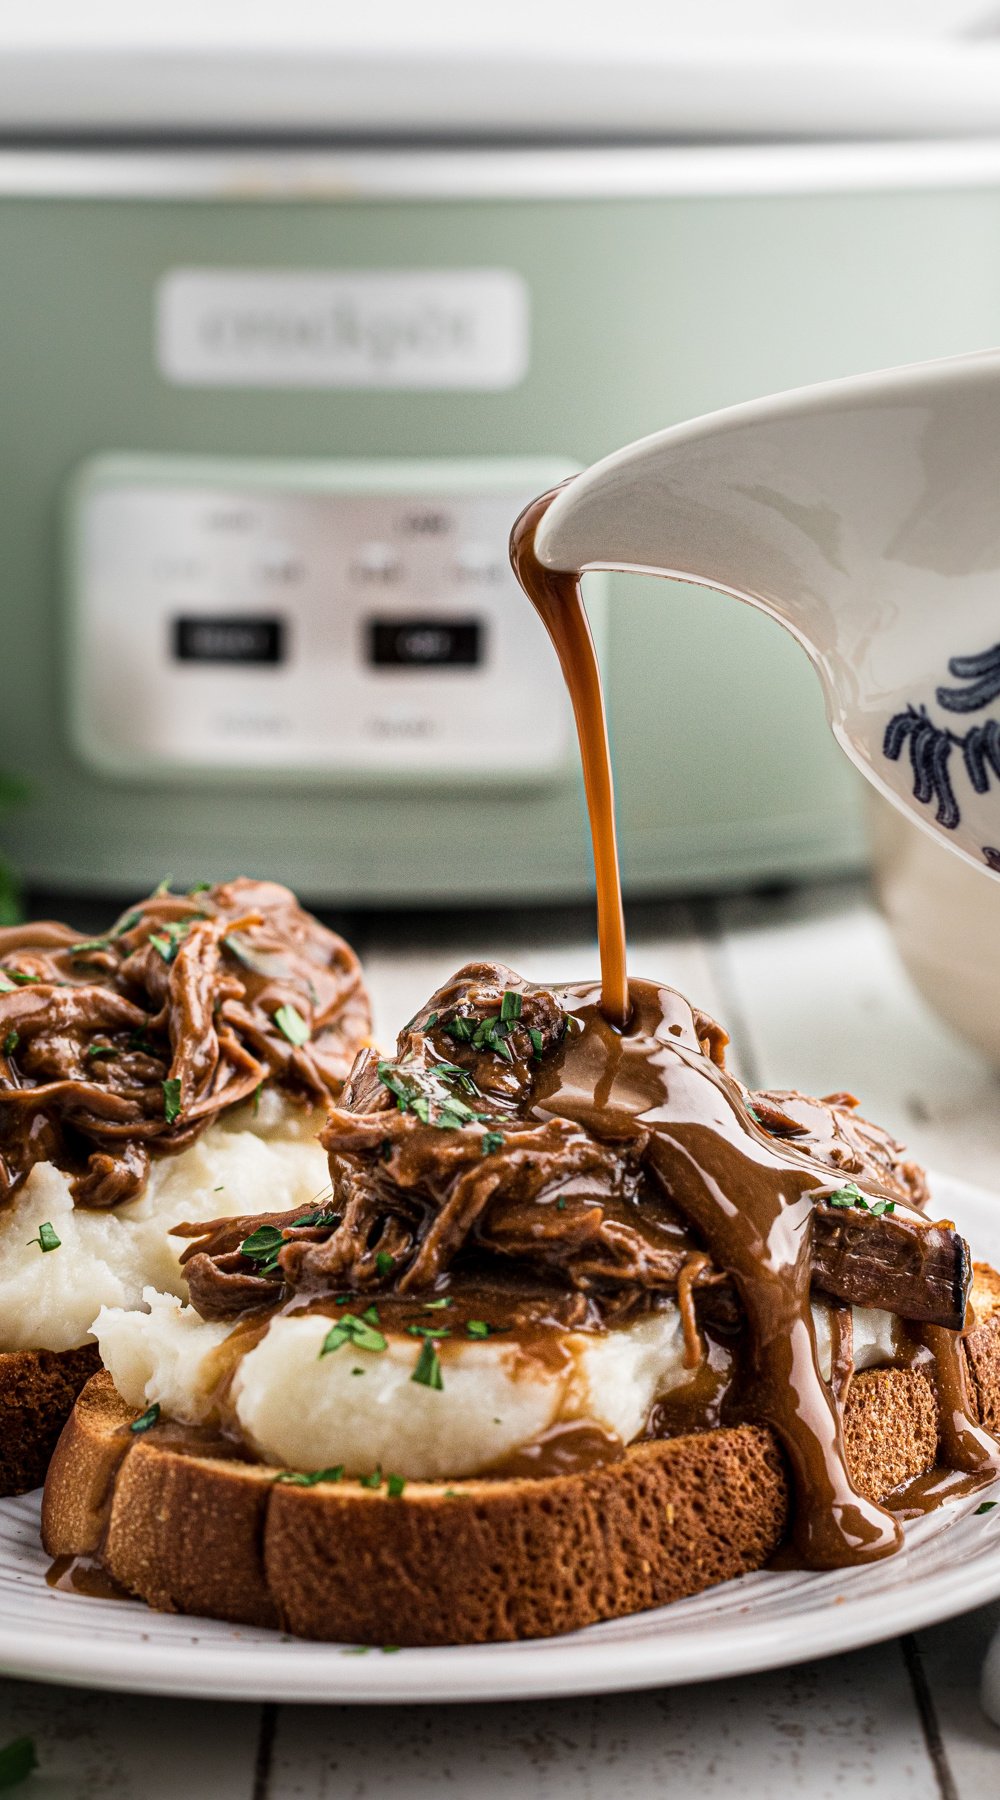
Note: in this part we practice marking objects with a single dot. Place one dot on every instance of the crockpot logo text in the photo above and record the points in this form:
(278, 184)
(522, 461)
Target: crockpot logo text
(459, 328)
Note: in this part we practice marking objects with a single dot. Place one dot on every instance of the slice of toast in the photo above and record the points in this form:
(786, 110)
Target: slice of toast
(37, 1391)
(481, 1561)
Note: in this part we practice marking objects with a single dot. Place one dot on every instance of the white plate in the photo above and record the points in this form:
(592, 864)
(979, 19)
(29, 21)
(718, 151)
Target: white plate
(950, 1562)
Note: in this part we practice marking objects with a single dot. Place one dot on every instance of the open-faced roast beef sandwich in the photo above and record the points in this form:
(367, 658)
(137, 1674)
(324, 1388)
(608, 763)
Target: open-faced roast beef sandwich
(580, 1326)
(177, 1067)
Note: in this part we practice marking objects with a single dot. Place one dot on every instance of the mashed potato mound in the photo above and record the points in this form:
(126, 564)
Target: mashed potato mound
(300, 1410)
(244, 1162)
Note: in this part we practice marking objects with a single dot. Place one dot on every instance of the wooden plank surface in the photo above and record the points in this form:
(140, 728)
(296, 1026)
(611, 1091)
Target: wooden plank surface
(811, 991)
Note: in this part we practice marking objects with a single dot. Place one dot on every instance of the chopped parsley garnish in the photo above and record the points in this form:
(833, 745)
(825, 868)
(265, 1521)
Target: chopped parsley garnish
(383, 1262)
(46, 1239)
(18, 1760)
(172, 1098)
(478, 1328)
(292, 1025)
(374, 1480)
(93, 1051)
(428, 1369)
(492, 1140)
(453, 1112)
(850, 1195)
(11, 1041)
(987, 1506)
(454, 1073)
(395, 1485)
(429, 1331)
(146, 1419)
(169, 941)
(491, 1032)
(349, 1329)
(262, 1247)
(296, 1477)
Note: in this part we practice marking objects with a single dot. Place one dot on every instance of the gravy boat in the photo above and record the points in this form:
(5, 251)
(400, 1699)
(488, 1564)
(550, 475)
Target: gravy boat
(864, 516)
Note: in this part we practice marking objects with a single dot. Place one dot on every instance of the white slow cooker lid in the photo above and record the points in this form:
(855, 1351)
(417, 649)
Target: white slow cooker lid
(533, 69)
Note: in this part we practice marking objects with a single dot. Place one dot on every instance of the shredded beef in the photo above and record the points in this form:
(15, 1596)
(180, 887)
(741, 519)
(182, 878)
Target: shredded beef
(443, 1160)
(122, 1047)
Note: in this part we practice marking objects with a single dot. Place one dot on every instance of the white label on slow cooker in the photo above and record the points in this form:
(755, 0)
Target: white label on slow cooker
(413, 328)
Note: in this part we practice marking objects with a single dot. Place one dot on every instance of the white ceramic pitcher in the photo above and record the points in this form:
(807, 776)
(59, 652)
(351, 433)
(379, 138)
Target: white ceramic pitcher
(863, 515)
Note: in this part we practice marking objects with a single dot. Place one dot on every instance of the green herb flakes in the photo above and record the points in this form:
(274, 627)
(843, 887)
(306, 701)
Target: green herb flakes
(438, 1305)
(164, 887)
(171, 1098)
(459, 1029)
(46, 1239)
(129, 923)
(428, 1369)
(296, 1477)
(850, 1195)
(478, 1328)
(292, 1025)
(258, 1090)
(18, 1760)
(374, 1480)
(146, 1419)
(263, 1247)
(432, 1019)
(93, 1051)
(87, 944)
(11, 1042)
(987, 1506)
(169, 941)
(492, 1141)
(536, 1041)
(384, 1262)
(429, 1331)
(510, 1006)
(200, 887)
(395, 1485)
(19, 978)
(349, 1329)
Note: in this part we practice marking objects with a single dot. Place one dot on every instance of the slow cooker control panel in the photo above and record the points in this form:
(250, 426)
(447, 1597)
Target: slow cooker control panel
(357, 620)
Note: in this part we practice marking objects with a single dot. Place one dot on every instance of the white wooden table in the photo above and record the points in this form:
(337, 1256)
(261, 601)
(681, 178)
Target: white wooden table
(809, 987)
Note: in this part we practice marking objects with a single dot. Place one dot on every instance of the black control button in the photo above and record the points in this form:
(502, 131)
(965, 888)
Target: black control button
(424, 643)
(229, 638)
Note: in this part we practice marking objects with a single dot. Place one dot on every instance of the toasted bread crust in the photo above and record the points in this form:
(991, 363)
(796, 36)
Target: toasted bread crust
(491, 1560)
(37, 1391)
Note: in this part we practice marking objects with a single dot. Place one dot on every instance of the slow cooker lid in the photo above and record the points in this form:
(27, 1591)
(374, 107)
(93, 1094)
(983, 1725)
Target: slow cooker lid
(698, 70)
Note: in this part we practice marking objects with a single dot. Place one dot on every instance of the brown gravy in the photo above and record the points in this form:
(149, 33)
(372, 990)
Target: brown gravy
(634, 1067)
